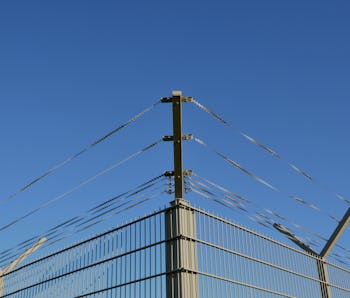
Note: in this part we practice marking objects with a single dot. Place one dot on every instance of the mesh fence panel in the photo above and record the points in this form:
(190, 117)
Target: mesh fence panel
(130, 261)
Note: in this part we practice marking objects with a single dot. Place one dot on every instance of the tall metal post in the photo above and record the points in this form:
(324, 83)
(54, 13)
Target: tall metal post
(180, 220)
(324, 279)
(177, 139)
(321, 264)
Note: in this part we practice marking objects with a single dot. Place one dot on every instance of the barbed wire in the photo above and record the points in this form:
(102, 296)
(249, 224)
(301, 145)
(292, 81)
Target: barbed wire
(253, 211)
(80, 185)
(76, 155)
(91, 217)
(264, 182)
(270, 151)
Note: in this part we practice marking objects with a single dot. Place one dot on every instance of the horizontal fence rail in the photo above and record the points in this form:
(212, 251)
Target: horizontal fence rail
(130, 261)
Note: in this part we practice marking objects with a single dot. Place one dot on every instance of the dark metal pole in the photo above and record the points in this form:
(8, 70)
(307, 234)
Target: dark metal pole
(177, 139)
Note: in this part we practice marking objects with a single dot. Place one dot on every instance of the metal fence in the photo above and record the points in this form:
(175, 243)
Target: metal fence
(156, 255)
(237, 262)
(128, 261)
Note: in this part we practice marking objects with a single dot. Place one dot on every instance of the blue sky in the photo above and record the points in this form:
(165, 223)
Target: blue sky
(71, 71)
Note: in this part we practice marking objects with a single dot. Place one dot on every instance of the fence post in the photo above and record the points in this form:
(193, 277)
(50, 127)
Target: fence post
(180, 220)
(321, 264)
(323, 277)
(181, 251)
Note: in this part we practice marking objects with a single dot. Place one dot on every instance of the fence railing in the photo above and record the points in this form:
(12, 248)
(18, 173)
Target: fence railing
(237, 262)
(228, 260)
(128, 261)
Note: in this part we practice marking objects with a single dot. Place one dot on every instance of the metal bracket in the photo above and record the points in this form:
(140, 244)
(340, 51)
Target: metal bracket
(184, 138)
(170, 99)
(172, 173)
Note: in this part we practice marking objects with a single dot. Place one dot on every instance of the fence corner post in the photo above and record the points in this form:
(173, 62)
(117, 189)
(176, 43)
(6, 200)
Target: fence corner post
(181, 251)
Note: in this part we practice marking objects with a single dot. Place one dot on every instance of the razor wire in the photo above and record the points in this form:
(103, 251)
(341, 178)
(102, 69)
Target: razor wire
(266, 221)
(91, 217)
(261, 215)
(227, 202)
(228, 194)
(80, 185)
(268, 150)
(264, 182)
(76, 221)
(63, 236)
(76, 155)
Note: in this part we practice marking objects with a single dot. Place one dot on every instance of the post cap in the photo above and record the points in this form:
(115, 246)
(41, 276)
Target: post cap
(177, 93)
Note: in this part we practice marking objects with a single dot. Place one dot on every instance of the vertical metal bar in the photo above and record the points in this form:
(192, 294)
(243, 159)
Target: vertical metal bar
(155, 254)
(130, 259)
(214, 253)
(135, 260)
(231, 258)
(118, 261)
(140, 257)
(205, 219)
(177, 138)
(161, 255)
(150, 254)
(323, 276)
(145, 257)
(125, 258)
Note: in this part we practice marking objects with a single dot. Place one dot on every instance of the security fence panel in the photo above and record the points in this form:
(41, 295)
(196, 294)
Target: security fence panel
(234, 261)
(128, 261)
(180, 251)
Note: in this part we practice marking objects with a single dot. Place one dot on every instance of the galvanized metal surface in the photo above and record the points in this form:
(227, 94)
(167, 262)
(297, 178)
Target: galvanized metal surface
(181, 251)
(130, 261)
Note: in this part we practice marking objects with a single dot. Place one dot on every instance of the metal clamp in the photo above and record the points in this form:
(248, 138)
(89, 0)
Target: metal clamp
(172, 173)
(186, 137)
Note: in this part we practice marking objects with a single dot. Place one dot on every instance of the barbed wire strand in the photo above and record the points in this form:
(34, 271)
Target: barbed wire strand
(275, 214)
(61, 236)
(76, 155)
(267, 210)
(270, 151)
(57, 230)
(141, 190)
(236, 164)
(262, 181)
(80, 185)
(257, 216)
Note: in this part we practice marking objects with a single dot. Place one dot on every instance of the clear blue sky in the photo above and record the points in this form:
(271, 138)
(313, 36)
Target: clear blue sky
(72, 70)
